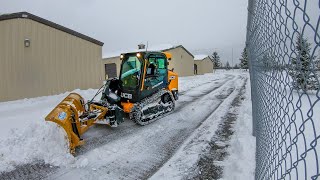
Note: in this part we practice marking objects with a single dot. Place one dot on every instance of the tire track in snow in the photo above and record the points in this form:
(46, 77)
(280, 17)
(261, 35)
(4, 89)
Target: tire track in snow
(29, 171)
(216, 81)
(140, 155)
(208, 166)
(195, 158)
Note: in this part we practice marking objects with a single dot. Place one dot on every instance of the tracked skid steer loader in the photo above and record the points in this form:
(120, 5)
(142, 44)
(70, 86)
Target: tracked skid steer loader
(145, 91)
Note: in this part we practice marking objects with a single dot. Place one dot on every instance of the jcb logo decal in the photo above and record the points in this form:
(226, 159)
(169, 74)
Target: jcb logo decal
(126, 95)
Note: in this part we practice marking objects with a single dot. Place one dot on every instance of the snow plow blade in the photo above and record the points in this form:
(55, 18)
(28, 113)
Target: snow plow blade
(67, 115)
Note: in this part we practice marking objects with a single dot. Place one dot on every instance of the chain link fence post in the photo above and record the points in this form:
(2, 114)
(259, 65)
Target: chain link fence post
(249, 20)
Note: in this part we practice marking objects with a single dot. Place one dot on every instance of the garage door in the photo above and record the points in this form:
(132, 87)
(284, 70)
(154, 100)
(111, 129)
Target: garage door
(111, 70)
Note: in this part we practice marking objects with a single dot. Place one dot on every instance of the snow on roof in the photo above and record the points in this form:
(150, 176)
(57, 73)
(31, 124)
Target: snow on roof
(200, 57)
(159, 47)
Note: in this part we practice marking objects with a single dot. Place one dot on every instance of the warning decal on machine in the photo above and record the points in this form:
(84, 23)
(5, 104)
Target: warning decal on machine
(62, 115)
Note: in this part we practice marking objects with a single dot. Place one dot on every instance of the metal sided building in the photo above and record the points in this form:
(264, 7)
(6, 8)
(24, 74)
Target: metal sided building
(202, 64)
(111, 66)
(182, 60)
(40, 58)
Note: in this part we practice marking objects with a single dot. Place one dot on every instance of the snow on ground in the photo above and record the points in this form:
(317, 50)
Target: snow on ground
(240, 164)
(300, 125)
(187, 83)
(303, 126)
(135, 152)
(26, 138)
(188, 154)
(297, 114)
(241, 161)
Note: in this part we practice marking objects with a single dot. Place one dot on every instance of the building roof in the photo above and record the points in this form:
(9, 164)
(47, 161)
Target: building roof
(200, 57)
(180, 46)
(27, 15)
(161, 47)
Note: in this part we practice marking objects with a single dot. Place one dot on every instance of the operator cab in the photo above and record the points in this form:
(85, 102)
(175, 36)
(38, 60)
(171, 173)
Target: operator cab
(142, 74)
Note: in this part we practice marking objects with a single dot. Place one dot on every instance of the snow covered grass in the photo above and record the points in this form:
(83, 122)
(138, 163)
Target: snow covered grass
(293, 124)
(305, 113)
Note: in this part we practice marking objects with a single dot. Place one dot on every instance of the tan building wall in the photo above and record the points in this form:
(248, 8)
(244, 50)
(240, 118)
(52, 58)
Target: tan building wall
(182, 62)
(115, 60)
(55, 62)
(204, 66)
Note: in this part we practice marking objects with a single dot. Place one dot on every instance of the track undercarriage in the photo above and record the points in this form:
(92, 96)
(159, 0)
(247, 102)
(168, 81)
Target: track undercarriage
(152, 108)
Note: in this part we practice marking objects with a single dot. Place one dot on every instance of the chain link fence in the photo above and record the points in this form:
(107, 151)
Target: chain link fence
(283, 45)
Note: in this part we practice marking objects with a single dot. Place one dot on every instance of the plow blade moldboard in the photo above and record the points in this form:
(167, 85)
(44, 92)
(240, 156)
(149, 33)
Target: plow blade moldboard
(66, 114)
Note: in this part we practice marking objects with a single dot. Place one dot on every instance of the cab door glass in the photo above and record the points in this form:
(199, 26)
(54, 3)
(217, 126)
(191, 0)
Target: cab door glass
(130, 72)
(156, 72)
(161, 67)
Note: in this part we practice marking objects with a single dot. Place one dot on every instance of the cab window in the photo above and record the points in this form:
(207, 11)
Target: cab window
(161, 66)
(156, 71)
(130, 72)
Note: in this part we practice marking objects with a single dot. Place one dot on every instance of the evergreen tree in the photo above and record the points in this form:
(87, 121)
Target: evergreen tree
(301, 67)
(215, 59)
(227, 65)
(244, 59)
(269, 63)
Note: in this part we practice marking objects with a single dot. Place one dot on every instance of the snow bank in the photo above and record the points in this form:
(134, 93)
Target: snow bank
(25, 136)
(240, 164)
(40, 140)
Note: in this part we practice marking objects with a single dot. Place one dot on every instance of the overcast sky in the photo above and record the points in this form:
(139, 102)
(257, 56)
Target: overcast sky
(199, 25)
